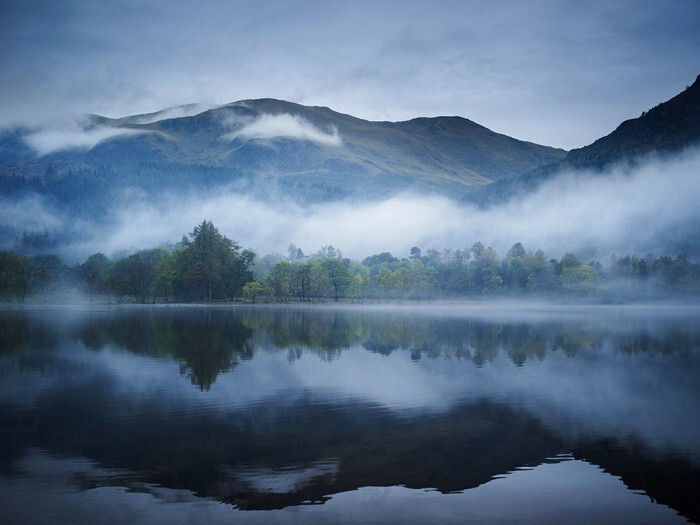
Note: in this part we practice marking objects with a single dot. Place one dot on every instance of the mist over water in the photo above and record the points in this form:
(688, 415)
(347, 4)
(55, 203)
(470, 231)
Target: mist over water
(549, 415)
(648, 207)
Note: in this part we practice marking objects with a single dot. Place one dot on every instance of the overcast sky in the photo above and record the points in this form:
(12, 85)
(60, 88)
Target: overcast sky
(555, 72)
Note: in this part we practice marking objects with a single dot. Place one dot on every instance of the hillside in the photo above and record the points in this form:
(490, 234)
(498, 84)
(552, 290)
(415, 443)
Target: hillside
(262, 146)
(665, 129)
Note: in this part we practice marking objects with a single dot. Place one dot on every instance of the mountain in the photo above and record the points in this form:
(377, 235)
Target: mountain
(665, 129)
(262, 147)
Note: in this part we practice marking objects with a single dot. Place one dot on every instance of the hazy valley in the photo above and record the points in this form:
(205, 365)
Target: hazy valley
(270, 174)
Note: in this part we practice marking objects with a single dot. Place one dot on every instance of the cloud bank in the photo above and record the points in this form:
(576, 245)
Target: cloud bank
(72, 134)
(650, 208)
(287, 127)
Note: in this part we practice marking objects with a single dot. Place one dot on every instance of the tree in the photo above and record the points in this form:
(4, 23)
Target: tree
(93, 272)
(484, 276)
(384, 281)
(514, 269)
(338, 276)
(400, 281)
(452, 272)
(360, 281)
(477, 249)
(237, 272)
(210, 265)
(294, 252)
(540, 276)
(117, 279)
(300, 279)
(422, 279)
(263, 266)
(279, 280)
(329, 252)
(136, 275)
(165, 277)
(251, 290)
(579, 279)
(44, 272)
(13, 275)
(374, 262)
(200, 262)
(517, 250)
(143, 266)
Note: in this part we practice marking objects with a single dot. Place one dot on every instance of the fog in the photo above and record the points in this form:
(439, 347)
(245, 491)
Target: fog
(187, 110)
(130, 395)
(648, 208)
(601, 392)
(285, 126)
(73, 133)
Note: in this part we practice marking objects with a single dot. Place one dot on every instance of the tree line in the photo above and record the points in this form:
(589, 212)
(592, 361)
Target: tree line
(475, 271)
(207, 266)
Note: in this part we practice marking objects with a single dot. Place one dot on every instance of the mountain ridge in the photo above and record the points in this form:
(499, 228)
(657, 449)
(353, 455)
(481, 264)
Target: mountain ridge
(299, 147)
(267, 147)
(666, 129)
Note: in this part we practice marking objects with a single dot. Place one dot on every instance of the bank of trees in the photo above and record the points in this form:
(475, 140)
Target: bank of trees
(476, 271)
(207, 266)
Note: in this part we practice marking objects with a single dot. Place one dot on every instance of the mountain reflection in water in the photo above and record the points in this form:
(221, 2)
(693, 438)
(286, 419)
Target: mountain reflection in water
(229, 409)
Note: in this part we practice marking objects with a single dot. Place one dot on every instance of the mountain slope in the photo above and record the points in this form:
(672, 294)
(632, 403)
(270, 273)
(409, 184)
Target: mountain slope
(309, 153)
(665, 129)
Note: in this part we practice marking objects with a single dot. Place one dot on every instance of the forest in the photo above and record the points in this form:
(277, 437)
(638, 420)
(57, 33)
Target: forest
(206, 266)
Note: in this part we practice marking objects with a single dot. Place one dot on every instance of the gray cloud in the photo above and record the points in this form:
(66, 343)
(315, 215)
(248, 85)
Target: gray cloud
(628, 210)
(550, 72)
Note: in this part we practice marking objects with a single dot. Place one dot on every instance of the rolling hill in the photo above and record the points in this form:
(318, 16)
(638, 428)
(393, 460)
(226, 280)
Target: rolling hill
(262, 147)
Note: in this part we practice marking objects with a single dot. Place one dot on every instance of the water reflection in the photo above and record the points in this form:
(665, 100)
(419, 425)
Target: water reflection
(267, 408)
(523, 496)
(231, 335)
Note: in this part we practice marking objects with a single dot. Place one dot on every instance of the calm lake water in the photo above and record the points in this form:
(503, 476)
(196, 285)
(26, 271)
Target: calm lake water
(438, 414)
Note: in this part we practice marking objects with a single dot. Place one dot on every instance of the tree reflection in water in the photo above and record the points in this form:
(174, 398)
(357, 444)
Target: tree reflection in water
(285, 449)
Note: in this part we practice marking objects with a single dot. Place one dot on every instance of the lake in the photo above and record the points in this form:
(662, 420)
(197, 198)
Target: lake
(480, 413)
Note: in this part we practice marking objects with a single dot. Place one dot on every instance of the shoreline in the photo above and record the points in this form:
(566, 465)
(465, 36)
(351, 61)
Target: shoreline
(690, 306)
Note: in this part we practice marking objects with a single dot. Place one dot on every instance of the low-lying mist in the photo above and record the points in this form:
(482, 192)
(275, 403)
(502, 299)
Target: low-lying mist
(652, 207)
(73, 133)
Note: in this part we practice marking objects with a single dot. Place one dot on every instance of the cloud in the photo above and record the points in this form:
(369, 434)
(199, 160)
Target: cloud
(72, 134)
(513, 67)
(650, 208)
(285, 126)
(30, 214)
(188, 110)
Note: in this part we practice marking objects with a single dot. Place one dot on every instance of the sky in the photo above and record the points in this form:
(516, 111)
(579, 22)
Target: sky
(555, 72)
